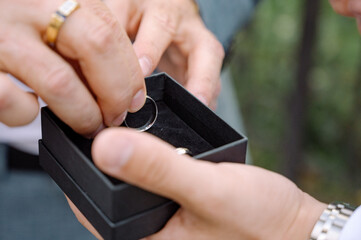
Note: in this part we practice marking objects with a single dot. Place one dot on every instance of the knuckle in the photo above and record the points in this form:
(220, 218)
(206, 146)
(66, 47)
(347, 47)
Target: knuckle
(100, 38)
(167, 22)
(212, 42)
(102, 12)
(218, 48)
(58, 82)
(110, 20)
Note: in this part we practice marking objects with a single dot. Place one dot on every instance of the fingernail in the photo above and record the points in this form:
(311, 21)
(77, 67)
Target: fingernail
(145, 65)
(138, 101)
(117, 156)
(119, 120)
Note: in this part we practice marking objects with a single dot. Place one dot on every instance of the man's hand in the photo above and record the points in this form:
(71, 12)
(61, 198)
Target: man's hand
(106, 83)
(218, 201)
(170, 35)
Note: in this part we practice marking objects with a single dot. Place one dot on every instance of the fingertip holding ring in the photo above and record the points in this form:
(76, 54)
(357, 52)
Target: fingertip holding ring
(151, 120)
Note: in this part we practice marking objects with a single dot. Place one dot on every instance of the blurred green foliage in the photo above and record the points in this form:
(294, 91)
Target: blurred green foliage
(264, 65)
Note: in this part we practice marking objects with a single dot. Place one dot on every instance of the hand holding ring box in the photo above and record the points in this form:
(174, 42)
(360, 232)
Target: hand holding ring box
(116, 209)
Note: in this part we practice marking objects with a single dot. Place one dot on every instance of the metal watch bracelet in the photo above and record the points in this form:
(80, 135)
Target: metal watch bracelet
(332, 221)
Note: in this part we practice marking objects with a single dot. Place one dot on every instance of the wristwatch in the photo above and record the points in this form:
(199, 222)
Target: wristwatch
(332, 221)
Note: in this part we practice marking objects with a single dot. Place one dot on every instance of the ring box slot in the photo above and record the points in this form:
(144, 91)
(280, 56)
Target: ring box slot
(183, 121)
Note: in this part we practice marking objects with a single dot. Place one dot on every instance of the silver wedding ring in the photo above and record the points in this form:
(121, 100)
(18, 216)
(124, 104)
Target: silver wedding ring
(148, 123)
(182, 151)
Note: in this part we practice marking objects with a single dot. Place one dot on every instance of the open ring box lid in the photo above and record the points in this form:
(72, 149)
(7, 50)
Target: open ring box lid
(119, 210)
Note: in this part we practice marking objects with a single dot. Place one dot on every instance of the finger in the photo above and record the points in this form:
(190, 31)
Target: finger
(204, 68)
(354, 8)
(178, 227)
(183, 225)
(174, 62)
(214, 102)
(128, 14)
(120, 9)
(149, 163)
(157, 30)
(341, 7)
(83, 221)
(93, 36)
(53, 80)
(17, 107)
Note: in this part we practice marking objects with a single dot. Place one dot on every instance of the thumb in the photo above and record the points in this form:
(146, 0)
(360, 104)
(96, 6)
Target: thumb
(149, 163)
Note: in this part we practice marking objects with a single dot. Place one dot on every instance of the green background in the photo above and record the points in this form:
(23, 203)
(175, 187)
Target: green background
(264, 66)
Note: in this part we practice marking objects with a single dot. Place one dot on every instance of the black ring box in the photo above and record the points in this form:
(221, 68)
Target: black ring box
(119, 210)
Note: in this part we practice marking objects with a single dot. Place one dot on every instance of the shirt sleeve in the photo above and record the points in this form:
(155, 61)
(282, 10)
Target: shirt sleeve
(352, 229)
(225, 18)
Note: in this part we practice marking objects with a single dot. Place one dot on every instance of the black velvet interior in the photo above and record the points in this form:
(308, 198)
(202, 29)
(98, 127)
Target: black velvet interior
(182, 121)
(168, 126)
(175, 131)
(172, 129)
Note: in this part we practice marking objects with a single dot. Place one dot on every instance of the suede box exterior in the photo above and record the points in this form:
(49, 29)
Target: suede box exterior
(183, 121)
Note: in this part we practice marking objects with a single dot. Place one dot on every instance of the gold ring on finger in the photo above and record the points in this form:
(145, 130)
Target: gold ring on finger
(57, 20)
